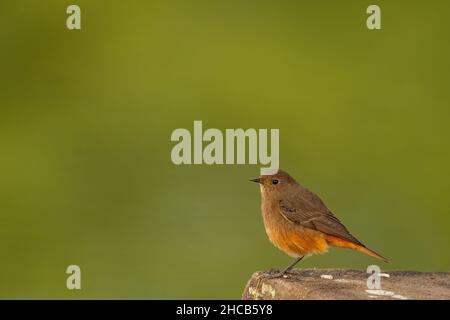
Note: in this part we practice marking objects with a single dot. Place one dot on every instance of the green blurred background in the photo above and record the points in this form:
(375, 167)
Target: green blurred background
(86, 116)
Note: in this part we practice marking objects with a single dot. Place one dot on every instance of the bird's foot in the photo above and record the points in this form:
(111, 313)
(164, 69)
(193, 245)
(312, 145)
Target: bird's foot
(276, 275)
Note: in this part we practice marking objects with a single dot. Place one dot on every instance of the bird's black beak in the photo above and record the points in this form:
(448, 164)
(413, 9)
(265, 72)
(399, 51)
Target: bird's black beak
(257, 180)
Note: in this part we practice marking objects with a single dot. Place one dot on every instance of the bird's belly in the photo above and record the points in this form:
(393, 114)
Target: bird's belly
(295, 240)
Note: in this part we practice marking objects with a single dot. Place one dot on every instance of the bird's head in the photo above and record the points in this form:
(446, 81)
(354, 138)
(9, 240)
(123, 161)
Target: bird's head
(276, 183)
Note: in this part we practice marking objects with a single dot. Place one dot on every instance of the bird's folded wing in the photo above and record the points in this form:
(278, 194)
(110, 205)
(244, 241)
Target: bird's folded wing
(316, 218)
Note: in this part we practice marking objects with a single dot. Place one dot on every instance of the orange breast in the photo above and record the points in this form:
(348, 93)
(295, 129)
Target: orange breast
(297, 241)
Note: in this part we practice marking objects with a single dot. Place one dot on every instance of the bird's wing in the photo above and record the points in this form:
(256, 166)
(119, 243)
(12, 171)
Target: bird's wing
(310, 212)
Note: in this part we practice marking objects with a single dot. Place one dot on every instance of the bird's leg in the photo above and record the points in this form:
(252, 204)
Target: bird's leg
(288, 268)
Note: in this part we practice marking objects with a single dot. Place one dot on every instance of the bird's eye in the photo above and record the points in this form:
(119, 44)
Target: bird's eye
(275, 181)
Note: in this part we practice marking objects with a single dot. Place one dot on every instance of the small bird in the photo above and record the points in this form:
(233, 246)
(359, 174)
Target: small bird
(298, 222)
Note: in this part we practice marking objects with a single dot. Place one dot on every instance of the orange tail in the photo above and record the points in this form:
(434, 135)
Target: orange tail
(338, 242)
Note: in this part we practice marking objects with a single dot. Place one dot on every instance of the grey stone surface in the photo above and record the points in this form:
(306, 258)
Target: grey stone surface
(343, 284)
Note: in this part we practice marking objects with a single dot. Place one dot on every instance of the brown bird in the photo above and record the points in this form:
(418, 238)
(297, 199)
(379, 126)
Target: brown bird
(299, 223)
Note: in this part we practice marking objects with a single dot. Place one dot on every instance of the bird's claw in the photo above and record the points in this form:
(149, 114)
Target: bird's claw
(277, 275)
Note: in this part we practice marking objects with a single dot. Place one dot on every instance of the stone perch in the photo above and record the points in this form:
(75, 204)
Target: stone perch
(343, 284)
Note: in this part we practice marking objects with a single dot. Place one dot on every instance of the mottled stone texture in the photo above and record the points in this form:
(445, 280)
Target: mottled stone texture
(340, 284)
